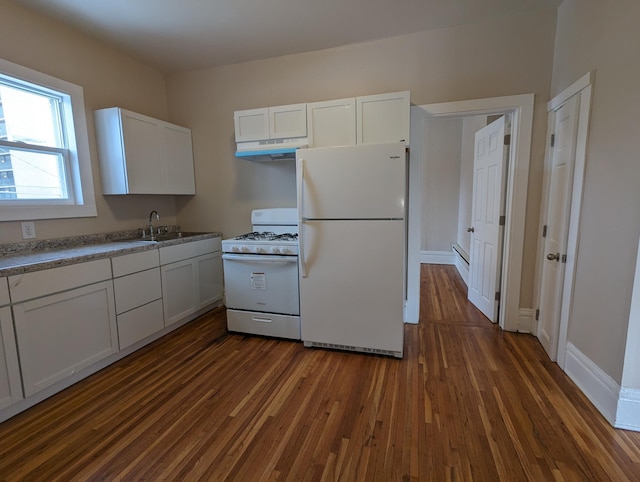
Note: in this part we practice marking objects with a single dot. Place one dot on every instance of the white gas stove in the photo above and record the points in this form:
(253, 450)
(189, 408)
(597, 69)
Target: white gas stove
(275, 231)
(261, 276)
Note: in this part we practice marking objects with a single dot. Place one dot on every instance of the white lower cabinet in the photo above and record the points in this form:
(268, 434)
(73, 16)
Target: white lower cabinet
(191, 278)
(60, 334)
(10, 383)
(138, 293)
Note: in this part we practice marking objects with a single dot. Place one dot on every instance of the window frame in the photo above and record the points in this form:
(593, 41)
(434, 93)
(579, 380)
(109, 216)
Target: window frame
(81, 202)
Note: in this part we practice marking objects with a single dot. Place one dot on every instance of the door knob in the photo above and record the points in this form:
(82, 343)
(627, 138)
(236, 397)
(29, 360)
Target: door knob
(552, 256)
(471, 230)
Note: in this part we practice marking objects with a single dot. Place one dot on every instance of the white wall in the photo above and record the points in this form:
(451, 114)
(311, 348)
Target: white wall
(508, 55)
(603, 36)
(109, 78)
(441, 186)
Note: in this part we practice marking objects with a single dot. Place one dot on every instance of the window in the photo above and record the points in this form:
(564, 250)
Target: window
(45, 167)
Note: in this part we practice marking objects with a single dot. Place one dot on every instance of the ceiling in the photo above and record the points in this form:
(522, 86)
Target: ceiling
(181, 35)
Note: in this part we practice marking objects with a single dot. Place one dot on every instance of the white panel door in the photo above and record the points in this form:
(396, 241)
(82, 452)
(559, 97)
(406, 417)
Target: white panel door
(351, 288)
(490, 158)
(352, 182)
(557, 222)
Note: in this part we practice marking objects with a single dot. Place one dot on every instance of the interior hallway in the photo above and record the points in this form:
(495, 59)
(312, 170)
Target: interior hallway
(467, 402)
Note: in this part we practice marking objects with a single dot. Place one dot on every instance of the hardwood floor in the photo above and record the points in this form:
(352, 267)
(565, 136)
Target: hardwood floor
(467, 402)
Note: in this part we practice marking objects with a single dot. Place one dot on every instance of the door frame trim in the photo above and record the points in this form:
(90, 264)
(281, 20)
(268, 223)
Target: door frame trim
(521, 107)
(584, 88)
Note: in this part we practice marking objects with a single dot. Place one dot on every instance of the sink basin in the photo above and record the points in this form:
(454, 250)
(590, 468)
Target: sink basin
(169, 236)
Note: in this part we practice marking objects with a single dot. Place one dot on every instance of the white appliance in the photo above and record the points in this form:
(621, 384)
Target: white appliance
(261, 276)
(351, 202)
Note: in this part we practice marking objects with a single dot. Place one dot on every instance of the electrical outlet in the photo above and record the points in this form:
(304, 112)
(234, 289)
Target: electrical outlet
(28, 230)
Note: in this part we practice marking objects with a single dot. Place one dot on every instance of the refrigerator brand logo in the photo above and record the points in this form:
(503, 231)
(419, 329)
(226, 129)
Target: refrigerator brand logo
(394, 157)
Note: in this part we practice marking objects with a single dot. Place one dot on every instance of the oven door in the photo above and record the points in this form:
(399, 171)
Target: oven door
(261, 283)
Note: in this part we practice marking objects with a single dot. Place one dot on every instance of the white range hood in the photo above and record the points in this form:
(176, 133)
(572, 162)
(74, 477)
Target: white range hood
(271, 149)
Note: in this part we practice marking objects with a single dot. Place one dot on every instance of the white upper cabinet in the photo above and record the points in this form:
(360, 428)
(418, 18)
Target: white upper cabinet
(332, 123)
(281, 122)
(143, 155)
(252, 124)
(371, 119)
(383, 118)
(287, 121)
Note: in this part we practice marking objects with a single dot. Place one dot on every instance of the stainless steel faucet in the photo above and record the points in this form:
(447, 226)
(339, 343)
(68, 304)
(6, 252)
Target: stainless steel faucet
(151, 221)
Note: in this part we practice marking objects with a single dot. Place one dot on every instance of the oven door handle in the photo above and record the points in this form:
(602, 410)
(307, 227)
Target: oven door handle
(301, 219)
(257, 259)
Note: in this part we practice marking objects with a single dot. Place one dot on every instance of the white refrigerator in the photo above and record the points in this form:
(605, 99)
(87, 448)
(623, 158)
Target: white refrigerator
(351, 203)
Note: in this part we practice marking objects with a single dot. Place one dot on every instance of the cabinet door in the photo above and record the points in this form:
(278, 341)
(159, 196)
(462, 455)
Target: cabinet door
(288, 121)
(142, 151)
(10, 384)
(179, 290)
(61, 334)
(332, 123)
(209, 270)
(252, 124)
(383, 118)
(177, 160)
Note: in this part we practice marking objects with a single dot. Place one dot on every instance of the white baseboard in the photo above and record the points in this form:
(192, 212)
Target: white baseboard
(526, 320)
(628, 415)
(436, 257)
(462, 266)
(600, 388)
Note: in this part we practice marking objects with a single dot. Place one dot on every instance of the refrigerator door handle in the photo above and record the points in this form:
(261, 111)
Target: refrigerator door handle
(300, 170)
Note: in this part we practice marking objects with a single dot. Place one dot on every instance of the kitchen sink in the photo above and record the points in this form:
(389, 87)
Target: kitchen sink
(170, 236)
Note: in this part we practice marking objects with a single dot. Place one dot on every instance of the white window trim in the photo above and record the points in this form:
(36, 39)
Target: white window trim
(80, 157)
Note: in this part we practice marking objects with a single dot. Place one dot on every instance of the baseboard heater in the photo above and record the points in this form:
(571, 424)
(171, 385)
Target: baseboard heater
(460, 252)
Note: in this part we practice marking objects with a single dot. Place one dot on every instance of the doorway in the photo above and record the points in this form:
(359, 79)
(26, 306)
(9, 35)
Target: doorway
(521, 109)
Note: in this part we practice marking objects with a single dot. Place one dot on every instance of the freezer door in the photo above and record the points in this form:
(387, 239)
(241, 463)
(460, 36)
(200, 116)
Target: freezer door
(352, 182)
(352, 291)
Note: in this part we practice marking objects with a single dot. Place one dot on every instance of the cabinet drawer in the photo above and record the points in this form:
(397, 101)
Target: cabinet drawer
(132, 263)
(4, 292)
(178, 252)
(40, 283)
(137, 289)
(139, 323)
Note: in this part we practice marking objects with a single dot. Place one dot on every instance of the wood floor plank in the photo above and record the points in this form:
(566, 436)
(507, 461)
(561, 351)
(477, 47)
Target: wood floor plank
(468, 402)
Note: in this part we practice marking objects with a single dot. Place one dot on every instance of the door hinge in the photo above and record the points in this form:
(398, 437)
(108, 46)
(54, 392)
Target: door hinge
(502, 221)
(507, 139)
(544, 231)
(497, 296)
(563, 259)
(553, 140)
(537, 314)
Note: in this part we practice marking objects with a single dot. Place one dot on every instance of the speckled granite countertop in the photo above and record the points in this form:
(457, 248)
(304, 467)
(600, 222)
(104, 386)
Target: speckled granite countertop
(19, 258)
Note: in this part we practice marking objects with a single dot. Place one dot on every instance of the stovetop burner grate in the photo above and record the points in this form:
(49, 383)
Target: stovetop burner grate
(268, 236)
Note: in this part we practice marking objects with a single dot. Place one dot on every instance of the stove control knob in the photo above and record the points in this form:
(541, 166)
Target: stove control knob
(286, 251)
(275, 250)
(260, 250)
(245, 249)
(235, 249)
